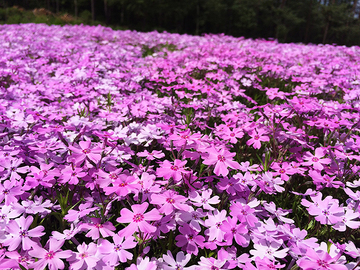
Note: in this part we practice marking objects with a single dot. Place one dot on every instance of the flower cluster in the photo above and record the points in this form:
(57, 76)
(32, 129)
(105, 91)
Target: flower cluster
(213, 152)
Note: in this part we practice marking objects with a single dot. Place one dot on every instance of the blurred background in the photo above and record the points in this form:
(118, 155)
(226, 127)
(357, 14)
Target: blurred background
(300, 21)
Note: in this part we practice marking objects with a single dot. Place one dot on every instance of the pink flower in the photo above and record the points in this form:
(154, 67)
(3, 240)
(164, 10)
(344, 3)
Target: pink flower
(143, 264)
(222, 160)
(189, 239)
(245, 212)
(169, 201)
(270, 250)
(214, 222)
(283, 169)
(71, 175)
(168, 170)
(204, 200)
(316, 160)
(18, 233)
(96, 227)
(236, 231)
(122, 186)
(10, 191)
(51, 258)
(138, 219)
(211, 264)
(257, 138)
(319, 260)
(151, 155)
(85, 151)
(115, 252)
(85, 257)
(179, 263)
(326, 211)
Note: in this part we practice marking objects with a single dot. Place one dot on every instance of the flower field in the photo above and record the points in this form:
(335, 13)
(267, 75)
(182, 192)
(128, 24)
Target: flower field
(128, 150)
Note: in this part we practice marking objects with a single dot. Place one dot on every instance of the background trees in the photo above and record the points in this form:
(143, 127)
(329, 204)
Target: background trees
(307, 21)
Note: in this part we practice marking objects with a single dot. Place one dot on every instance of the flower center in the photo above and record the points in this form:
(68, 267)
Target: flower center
(23, 233)
(174, 168)
(49, 255)
(325, 212)
(221, 158)
(315, 159)
(282, 171)
(84, 255)
(322, 263)
(170, 200)
(86, 151)
(138, 217)
(256, 137)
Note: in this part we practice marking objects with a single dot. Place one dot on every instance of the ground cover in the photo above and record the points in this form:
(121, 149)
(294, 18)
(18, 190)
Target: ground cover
(127, 150)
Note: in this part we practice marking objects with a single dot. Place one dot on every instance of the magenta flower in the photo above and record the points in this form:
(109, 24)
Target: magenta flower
(319, 260)
(193, 218)
(244, 212)
(71, 175)
(85, 257)
(214, 222)
(257, 138)
(232, 135)
(169, 201)
(189, 239)
(283, 169)
(179, 264)
(211, 264)
(204, 200)
(96, 227)
(51, 257)
(151, 155)
(12, 167)
(115, 252)
(138, 219)
(316, 160)
(270, 250)
(222, 160)
(18, 233)
(85, 151)
(10, 191)
(122, 185)
(168, 170)
(326, 211)
(236, 231)
(143, 264)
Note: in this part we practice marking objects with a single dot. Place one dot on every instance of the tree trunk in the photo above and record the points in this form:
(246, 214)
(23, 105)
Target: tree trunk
(354, 7)
(326, 30)
(283, 2)
(327, 24)
(93, 10)
(308, 23)
(76, 9)
(57, 6)
(122, 13)
(197, 28)
(106, 12)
